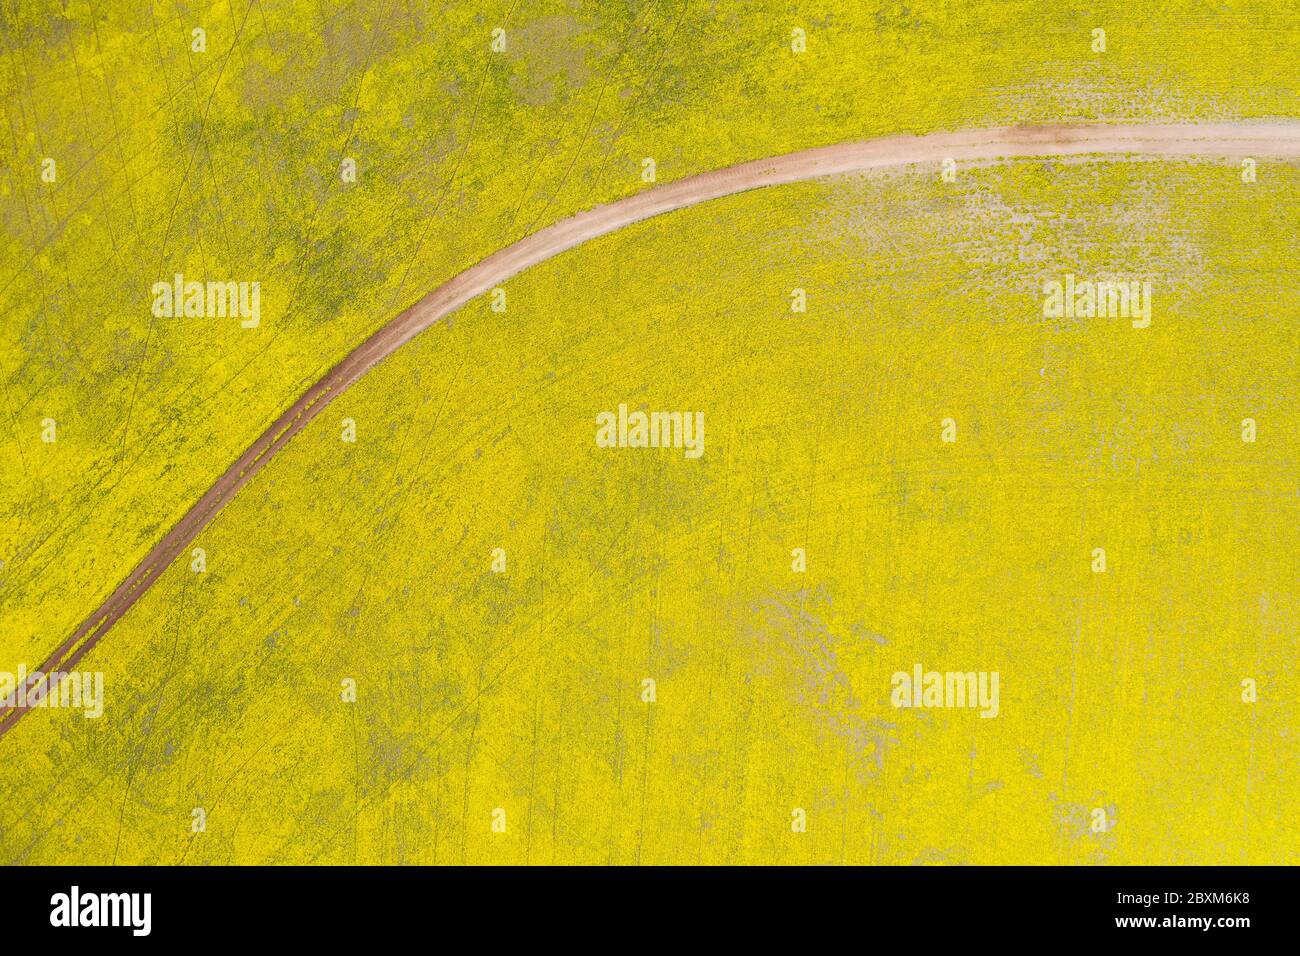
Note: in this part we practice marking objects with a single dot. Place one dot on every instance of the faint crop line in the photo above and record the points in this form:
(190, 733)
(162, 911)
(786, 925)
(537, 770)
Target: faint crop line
(586, 133)
(455, 172)
(203, 121)
(343, 150)
(636, 101)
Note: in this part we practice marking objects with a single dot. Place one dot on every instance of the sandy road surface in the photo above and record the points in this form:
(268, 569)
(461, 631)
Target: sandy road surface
(1273, 140)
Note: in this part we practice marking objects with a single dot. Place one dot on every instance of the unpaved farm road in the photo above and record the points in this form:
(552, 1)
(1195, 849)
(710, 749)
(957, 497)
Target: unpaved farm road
(1266, 140)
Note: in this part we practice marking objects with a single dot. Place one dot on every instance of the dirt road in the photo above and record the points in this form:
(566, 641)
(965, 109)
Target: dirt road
(1274, 140)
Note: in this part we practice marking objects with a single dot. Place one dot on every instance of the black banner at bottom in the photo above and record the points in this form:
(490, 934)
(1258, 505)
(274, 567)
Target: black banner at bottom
(332, 906)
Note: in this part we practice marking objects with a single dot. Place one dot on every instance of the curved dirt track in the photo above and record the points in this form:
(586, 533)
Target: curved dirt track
(1274, 140)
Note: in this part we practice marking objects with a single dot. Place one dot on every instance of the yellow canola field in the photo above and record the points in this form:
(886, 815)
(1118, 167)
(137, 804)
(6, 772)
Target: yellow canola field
(505, 717)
